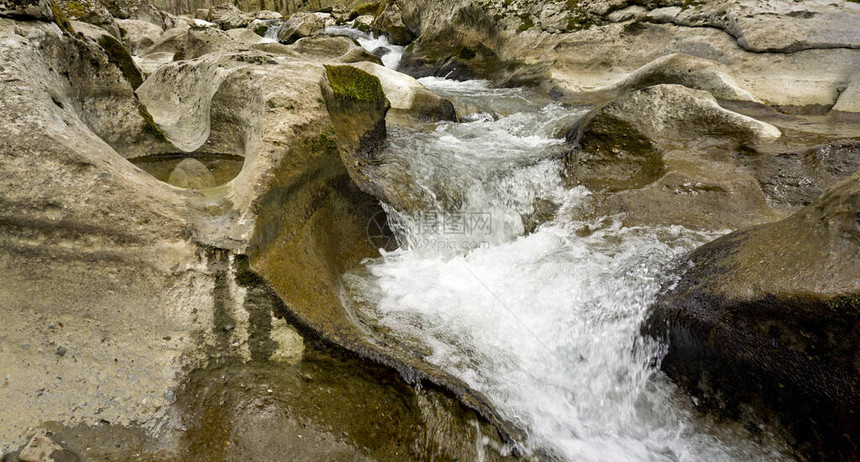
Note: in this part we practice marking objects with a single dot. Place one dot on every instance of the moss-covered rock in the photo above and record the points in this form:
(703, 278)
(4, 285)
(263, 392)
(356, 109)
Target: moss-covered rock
(122, 59)
(769, 317)
(371, 8)
(352, 83)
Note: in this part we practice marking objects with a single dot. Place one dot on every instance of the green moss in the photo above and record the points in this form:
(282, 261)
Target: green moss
(363, 9)
(149, 125)
(76, 9)
(845, 303)
(363, 27)
(122, 59)
(527, 24)
(352, 83)
(577, 20)
(61, 19)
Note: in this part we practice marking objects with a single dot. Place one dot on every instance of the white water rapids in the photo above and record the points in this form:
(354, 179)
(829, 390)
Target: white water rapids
(546, 325)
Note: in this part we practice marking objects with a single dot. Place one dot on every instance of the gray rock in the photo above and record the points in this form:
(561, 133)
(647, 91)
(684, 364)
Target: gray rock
(691, 72)
(227, 16)
(390, 23)
(35, 9)
(139, 35)
(408, 96)
(769, 317)
(300, 25)
(619, 142)
(91, 12)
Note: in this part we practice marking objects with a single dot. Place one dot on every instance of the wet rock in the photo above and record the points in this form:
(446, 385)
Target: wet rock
(191, 173)
(456, 39)
(300, 25)
(227, 16)
(357, 104)
(390, 23)
(668, 155)
(619, 143)
(42, 448)
(407, 95)
(769, 317)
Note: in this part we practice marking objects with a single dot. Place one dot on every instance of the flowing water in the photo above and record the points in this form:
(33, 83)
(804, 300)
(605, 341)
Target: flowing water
(389, 54)
(544, 322)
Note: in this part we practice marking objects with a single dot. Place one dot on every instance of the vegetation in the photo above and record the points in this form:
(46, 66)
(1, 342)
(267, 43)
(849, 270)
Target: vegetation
(122, 59)
(352, 83)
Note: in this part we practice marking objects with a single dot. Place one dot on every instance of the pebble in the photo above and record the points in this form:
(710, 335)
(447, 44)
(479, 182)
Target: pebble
(25, 346)
(61, 351)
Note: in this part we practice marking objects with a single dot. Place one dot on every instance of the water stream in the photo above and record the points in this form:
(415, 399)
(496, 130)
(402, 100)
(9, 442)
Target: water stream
(544, 322)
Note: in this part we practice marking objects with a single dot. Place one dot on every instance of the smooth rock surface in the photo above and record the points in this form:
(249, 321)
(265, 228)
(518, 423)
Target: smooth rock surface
(769, 317)
(408, 95)
(300, 25)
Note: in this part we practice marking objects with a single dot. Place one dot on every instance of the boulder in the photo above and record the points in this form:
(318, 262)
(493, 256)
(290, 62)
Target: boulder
(670, 155)
(407, 95)
(91, 12)
(267, 15)
(363, 23)
(769, 318)
(619, 143)
(300, 25)
(328, 48)
(227, 16)
(689, 71)
(191, 173)
(390, 23)
(201, 13)
(26, 9)
(138, 35)
(357, 104)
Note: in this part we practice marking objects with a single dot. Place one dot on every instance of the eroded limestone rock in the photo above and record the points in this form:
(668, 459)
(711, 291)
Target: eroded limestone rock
(300, 25)
(768, 317)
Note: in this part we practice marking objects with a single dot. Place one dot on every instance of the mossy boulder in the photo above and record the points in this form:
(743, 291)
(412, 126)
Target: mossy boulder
(768, 318)
(369, 8)
(91, 12)
(357, 105)
(351, 83)
(122, 59)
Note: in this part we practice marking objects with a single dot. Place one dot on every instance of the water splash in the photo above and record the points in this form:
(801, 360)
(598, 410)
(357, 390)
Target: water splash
(546, 325)
(390, 55)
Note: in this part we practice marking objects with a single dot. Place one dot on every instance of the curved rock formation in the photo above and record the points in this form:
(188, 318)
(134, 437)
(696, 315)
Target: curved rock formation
(141, 282)
(769, 317)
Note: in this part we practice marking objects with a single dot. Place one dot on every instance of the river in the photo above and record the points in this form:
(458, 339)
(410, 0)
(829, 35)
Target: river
(543, 321)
